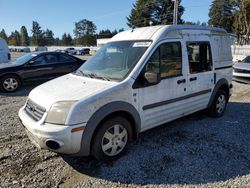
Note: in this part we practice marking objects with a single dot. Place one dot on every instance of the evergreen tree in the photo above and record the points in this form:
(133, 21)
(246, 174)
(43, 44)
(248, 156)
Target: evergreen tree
(15, 39)
(156, 12)
(37, 38)
(49, 37)
(66, 39)
(24, 36)
(221, 14)
(105, 34)
(3, 35)
(140, 14)
(163, 12)
(57, 42)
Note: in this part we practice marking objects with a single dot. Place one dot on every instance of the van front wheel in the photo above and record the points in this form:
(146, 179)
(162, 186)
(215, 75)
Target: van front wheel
(219, 104)
(111, 139)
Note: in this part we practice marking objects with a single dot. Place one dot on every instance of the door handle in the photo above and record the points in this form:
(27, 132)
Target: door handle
(181, 81)
(193, 79)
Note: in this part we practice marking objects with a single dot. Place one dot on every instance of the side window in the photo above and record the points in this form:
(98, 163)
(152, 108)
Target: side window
(66, 59)
(153, 64)
(40, 61)
(199, 56)
(52, 58)
(166, 60)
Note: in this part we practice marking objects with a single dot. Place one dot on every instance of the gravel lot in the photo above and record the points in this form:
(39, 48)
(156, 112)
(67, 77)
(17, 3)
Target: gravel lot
(195, 151)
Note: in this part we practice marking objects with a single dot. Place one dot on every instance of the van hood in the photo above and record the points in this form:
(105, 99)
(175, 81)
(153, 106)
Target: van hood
(67, 88)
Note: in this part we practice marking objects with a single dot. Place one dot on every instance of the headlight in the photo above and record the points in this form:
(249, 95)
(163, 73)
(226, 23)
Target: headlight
(59, 112)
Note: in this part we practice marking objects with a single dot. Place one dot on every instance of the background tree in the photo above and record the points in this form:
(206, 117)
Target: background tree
(140, 14)
(195, 23)
(3, 35)
(14, 39)
(85, 30)
(163, 12)
(153, 12)
(49, 37)
(24, 36)
(221, 14)
(107, 33)
(241, 25)
(37, 38)
(66, 39)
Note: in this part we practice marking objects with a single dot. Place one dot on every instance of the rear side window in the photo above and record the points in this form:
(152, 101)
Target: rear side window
(199, 56)
(41, 60)
(166, 60)
(52, 58)
(66, 59)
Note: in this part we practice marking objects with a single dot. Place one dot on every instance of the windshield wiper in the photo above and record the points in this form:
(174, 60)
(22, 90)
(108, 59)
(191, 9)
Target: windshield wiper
(99, 77)
(91, 75)
(83, 74)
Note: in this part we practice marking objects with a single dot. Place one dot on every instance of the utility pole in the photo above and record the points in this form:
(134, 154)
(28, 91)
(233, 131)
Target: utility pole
(175, 17)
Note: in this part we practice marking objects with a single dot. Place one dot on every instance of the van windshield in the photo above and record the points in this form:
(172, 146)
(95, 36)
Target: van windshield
(114, 60)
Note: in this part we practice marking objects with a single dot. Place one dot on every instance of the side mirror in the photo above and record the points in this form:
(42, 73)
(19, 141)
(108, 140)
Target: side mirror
(31, 62)
(152, 77)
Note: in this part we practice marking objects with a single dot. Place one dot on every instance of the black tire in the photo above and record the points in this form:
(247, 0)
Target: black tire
(219, 104)
(100, 140)
(10, 83)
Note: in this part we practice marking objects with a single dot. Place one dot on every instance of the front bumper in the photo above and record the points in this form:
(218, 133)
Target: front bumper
(40, 133)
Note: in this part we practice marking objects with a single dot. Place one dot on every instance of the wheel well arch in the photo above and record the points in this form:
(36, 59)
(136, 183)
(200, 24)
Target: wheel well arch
(225, 88)
(13, 74)
(221, 84)
(120, 113)
(117, 108)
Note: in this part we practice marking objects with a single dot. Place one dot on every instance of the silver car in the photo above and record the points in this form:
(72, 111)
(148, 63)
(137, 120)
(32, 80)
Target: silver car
(241, 71)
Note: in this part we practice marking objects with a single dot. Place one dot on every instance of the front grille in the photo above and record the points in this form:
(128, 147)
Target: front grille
(241, 71)
(34, 111)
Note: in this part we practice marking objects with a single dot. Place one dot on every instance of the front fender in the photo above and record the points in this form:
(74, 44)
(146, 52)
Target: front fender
(99, 115)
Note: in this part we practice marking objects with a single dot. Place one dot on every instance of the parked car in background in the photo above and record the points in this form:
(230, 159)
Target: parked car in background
(36, 67)
(83, 51)
(41, 49)
(142, 78)
(4, 52)
(241, 71)
(71, 51)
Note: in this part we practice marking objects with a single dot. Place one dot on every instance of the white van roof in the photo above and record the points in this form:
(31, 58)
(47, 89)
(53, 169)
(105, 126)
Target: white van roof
(153, 32)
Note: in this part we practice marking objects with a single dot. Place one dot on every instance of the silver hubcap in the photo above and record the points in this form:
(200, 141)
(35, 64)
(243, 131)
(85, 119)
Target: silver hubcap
(10, 84)
(221, 103)
(114, 140)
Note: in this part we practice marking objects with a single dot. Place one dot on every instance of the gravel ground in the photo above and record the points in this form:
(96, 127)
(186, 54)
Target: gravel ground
(195, 151)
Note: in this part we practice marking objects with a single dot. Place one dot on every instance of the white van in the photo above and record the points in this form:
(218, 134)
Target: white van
(4, 51)
(141, 79)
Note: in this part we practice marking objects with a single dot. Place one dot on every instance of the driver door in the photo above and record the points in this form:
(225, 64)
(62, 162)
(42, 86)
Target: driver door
(160, 103)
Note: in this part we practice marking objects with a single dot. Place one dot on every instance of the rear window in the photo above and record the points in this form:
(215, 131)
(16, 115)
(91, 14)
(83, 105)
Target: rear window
(65, 58)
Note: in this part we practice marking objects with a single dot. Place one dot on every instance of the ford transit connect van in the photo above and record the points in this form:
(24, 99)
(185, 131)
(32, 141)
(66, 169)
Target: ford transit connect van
(4, 52)
(142, 78)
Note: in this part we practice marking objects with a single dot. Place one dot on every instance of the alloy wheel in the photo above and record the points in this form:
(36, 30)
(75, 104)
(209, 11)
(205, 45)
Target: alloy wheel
(220, 104)
(10, 84)
(114, 140)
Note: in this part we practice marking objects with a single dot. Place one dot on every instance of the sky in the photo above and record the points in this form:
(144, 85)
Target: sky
(60, 15)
